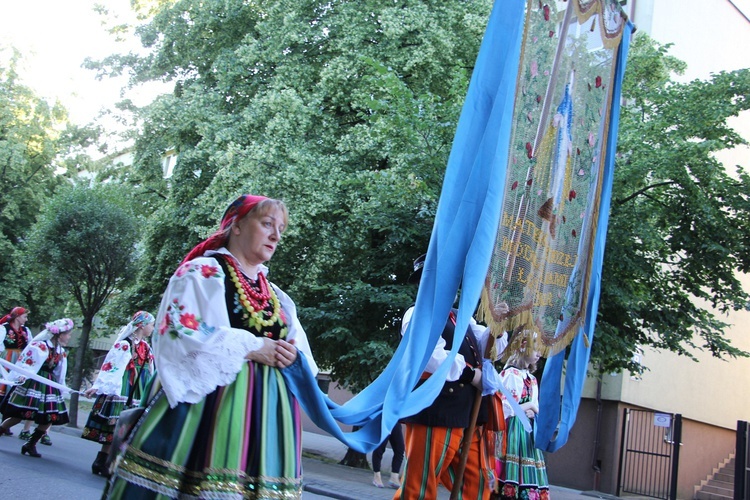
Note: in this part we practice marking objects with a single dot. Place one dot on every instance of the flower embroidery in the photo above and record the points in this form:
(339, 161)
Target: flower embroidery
(124, 346)
(209, 271)
(43, 347)
(164, 325)
(188, 321)
(106, 367)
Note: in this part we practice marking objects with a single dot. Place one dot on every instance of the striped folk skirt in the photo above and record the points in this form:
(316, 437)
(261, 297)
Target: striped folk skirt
(242, 441)
(36, 401)
(523, 473)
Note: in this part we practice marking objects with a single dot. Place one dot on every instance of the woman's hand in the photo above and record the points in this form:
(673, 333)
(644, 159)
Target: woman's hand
(89, 392)
(286, 353)
(266, 355)
(530, 413)
(500, 311)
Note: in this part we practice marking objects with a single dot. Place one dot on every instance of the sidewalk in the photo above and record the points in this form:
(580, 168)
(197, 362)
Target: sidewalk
(323, 476)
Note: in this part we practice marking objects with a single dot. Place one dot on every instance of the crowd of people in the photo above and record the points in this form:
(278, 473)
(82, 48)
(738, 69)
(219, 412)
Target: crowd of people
(216, 418)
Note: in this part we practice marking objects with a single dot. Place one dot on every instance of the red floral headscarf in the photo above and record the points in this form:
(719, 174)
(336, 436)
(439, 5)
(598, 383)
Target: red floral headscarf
(13, 314)
(236, 210)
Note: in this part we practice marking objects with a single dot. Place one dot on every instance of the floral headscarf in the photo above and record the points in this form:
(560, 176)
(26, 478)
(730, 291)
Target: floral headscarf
(139, 320)
(236, 210)
(54, 328)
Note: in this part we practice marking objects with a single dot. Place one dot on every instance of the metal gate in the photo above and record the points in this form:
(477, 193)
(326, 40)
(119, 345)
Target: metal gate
(741, 465)
(649, 453)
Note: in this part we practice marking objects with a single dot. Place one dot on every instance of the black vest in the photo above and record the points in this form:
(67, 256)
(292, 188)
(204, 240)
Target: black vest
(452, 407)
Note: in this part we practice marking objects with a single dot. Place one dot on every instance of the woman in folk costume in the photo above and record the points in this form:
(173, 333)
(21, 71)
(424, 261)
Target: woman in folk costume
(523, 473)
(222, 423)
(125, 373)
(15, 336)
(33, 399)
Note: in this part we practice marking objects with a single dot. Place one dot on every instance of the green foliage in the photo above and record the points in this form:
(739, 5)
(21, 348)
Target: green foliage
(28, 144)
(346, 110)
(84, 243)
(679, 224)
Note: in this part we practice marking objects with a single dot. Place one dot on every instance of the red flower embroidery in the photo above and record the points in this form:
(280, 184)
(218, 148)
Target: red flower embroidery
(42, 347)
(514, 186)
(164, 326)
(124, 347)
(571, 195)
(188, 321)
(545, 9)
(29, 361)
(106, 367)
(598, 81)
(574, 233)
(551, 33)
(208, 271)
(117, 345)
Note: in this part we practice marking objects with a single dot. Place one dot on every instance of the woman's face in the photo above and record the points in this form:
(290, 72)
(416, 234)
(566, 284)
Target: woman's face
(22, 319)
(64, 338)
(147, 330)
(256, 236)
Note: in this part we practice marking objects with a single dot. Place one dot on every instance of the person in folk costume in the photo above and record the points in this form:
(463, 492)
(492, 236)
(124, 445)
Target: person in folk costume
(32, 399)
(126, 372)
(435, 435)
(522, 471)
(222, 423)
(15, 335)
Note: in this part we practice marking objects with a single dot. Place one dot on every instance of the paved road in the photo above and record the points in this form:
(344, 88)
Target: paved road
(64, 471)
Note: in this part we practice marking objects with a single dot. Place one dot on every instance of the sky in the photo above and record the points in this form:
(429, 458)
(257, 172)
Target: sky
(54, 37)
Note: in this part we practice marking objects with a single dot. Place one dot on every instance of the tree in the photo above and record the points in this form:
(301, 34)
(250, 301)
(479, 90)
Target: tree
(83, 245)
(347, 111)
(28, 146)
(679, 227)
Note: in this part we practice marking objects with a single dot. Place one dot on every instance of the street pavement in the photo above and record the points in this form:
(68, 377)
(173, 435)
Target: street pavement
(64, 471)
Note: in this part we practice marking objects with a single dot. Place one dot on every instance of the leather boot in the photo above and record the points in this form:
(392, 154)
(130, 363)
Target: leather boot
(100, 464)
(30, 446)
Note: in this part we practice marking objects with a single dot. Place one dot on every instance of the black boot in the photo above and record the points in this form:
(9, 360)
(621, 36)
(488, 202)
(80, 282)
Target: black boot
(100, 464)
(30, 446)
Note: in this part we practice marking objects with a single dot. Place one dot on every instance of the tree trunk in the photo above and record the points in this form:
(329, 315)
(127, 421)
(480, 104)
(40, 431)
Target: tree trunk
(77, 379)
(355, 458)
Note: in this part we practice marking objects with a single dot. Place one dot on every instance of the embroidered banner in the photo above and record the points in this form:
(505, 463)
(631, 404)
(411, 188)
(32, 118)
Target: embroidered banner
(541, 262)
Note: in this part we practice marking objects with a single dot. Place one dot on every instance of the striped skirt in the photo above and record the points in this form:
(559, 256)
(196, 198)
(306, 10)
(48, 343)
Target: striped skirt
(523, 473)
(242, 441)
(36, 401)
(101, 423)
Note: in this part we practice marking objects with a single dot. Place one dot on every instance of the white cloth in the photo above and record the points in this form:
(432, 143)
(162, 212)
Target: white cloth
(109, 380)
(196, 350)
(440, 353)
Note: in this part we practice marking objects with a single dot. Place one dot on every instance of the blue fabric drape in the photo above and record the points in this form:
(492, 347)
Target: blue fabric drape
(458, 254)
(556, 417)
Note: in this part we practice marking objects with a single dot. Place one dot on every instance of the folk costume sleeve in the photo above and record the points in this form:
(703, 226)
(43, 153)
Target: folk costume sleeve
(196, 350)
(33, 357)
(109, 380)
(439, 353)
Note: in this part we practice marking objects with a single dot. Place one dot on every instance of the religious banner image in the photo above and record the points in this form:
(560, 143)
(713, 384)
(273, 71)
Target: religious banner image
(542, 256)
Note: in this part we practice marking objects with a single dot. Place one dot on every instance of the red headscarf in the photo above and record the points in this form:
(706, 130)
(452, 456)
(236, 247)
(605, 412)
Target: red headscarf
(236, 210)
(13, 314)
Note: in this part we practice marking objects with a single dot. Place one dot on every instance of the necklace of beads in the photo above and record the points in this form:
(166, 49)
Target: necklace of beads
(255, 301)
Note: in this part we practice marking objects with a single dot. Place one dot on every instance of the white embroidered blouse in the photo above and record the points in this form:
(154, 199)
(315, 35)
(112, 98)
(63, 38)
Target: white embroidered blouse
(195, 348)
